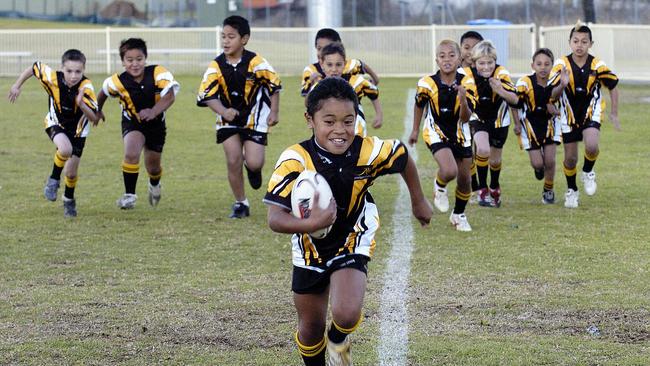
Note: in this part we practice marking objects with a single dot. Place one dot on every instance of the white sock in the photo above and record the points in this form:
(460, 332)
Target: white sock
(245, 202)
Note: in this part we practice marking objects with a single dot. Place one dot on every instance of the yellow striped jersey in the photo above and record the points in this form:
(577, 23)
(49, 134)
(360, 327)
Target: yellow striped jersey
(135, 96)
(63, 110)
(584, 94)
(352, 67)
(442, 109)
(246, 87)
(490, 107)
(349, 175)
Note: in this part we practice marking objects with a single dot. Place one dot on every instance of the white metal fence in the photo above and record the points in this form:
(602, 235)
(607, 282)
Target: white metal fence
(391, 51)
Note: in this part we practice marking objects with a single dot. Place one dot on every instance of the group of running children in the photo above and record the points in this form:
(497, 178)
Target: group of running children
(467, 106)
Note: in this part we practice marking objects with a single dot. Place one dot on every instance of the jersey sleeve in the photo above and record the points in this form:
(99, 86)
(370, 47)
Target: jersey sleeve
(164, 81)
(265, 74)
(522, 91)
(290, 164)
(110, 86)
(306, 85)
(423, 93)
(470, 91)
(554, 76)
(355, 67)
(45, 75)
(209, 88)
(384, 156)
(605, 75)
(89, 99)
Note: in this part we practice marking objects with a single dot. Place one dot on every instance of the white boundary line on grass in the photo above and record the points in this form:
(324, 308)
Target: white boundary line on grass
(393, 314)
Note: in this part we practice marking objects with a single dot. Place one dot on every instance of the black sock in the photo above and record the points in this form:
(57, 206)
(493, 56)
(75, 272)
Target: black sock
(481, 170)
(495, 171)
(335, 335)
(461, 202)
(570, 174)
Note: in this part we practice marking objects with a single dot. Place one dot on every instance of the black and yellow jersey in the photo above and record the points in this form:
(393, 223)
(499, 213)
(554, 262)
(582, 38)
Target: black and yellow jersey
(442, 109)
(490, 107)
(62, 108)
(352, 67)
(583, 93)
(533, 99)
(349, 176)
(135, 96)
(246, 87)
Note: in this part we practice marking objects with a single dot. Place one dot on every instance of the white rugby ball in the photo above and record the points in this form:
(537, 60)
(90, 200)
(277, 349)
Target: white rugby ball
(302, 197)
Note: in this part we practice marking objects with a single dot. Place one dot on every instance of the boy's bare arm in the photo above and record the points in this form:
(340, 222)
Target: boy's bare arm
(372, 73)
(379, 113)
(417, 117)
(422, 209)
(613, 114)
(87, 111)
(282, 221)
(14, 92)
(161, 106)
(273, 118)
(217, 107)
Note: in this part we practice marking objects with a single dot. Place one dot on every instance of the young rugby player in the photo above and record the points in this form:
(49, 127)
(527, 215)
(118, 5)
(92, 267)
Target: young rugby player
(584, 106)
(314, 72)
(333, 270)
(72, 104)
(243, 90)
(495, 92)
(332, 61)
(447, 99)
(145, 93)
(538, 131)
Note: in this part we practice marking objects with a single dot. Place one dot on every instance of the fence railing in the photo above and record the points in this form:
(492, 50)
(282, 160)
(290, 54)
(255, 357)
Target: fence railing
(391, 51)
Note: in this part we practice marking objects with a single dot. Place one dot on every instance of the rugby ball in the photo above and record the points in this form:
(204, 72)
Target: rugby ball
(302, 197)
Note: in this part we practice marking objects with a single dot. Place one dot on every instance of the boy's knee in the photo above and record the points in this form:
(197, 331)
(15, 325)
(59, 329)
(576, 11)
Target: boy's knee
(311, 332)
(65, 152)
(483, 151)
(570, 161)
(347, 318)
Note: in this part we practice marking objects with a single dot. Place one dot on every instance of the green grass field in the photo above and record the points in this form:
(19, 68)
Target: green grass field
(183, 284)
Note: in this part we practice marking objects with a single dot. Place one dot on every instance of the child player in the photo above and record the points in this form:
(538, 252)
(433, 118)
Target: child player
(145, 93)
(584, 109)
(243, 90)
(314, 72)
(333, 270)
(538, 130)
(332, 61)
(495, 92)
(72, 104)
(447, 100)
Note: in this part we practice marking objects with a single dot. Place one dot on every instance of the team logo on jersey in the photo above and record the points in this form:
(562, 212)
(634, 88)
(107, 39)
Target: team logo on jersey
(363, 172)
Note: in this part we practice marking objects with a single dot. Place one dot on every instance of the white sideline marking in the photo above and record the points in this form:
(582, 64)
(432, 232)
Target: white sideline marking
(393, 315)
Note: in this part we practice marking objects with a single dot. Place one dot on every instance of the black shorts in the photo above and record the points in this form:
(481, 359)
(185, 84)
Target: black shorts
(245, 134)
(459, 151)
(576, 132)
(77, 143)
(497, 135)
(306, 281)
(154, 133)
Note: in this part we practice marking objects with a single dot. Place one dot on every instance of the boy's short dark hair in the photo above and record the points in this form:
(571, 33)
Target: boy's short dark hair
(544, 51)
(580, 28)
(132, 44)
(471, 34)
(73, 55)
(330, 87)
(239, 23)
(333, 48)
(328, 33)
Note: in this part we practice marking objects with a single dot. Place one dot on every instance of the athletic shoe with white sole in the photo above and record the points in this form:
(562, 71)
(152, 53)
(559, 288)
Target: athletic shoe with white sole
(440, 199)
(548, 197)
(50, 189)
(127, 201)
(69, 207)
(589, 181)
(154, 194)
(571, 198)
(459, 221)
(339, 353)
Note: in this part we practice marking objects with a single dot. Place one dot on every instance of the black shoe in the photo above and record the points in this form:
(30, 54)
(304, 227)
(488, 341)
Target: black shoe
(239, 211)
(254, 178)
(539, 174)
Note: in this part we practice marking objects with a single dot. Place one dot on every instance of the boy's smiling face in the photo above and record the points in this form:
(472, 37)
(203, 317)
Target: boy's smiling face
(134, 62)
(447, 58)
(333, 124)
(333, 64)
(232, 42)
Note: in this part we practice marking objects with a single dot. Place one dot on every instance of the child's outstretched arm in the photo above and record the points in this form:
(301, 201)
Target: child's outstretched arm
(508, 96)
(87, 111)
(422, 209)
(217, 107)
(273, 120)
(417, 117)
(613, 114)
(162, 105)
(372, 73)
(465, 111)
(14, 92)
(282, 221)
(379, 114)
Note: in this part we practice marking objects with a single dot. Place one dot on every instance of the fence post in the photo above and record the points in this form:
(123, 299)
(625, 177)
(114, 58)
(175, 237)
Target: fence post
(433, 46)
(217, 32)
(533, 41)
(108, 50)
(542, 42)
